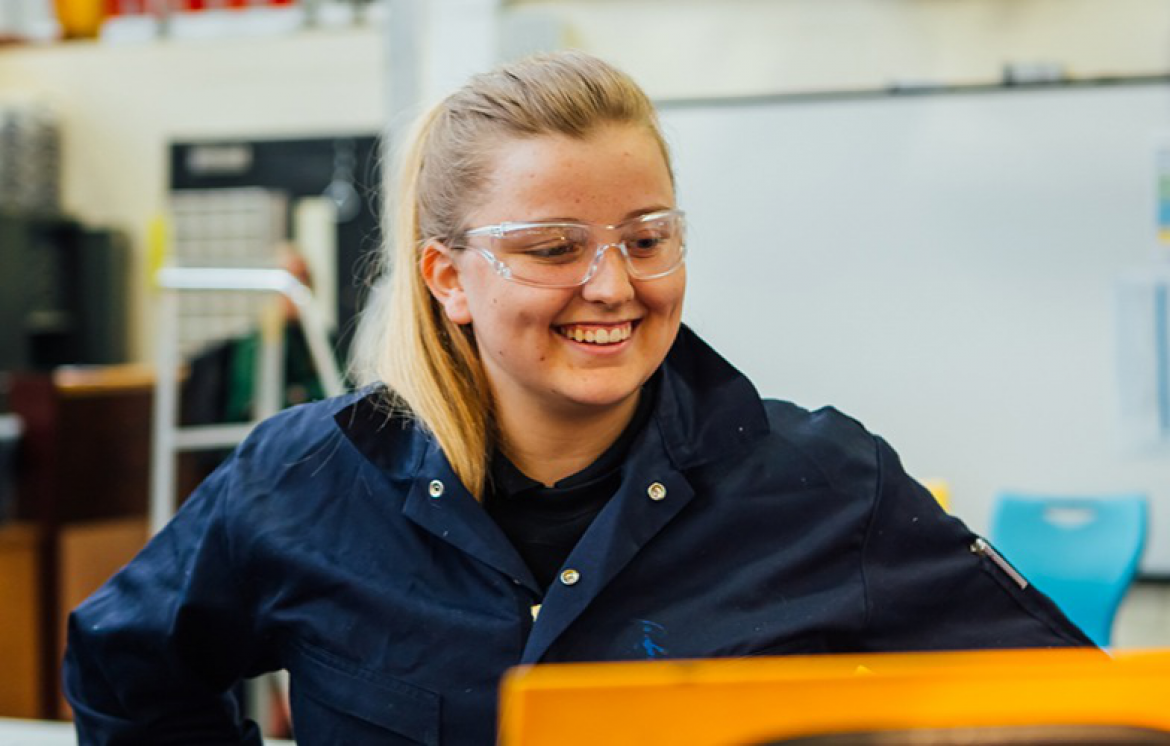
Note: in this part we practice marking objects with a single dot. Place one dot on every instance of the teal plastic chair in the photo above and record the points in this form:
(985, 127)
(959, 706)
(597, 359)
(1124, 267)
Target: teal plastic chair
(1081, 552)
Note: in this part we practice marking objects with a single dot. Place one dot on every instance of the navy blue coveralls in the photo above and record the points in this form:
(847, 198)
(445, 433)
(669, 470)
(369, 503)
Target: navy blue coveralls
(340, 545)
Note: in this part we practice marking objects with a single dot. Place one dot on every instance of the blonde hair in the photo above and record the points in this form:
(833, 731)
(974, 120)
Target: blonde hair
(429, 364)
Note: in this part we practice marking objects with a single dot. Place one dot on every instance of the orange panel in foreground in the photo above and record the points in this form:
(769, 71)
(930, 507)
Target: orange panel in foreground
(745, 701)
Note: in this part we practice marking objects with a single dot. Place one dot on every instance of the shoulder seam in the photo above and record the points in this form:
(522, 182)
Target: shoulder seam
(869, 529)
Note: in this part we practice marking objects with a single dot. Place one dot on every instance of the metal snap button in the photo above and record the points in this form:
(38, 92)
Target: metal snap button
(570, 576)
(656, 491)
(436, 488)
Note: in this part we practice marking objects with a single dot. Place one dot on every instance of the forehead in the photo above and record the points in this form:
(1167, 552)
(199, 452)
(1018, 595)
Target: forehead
(612, 173)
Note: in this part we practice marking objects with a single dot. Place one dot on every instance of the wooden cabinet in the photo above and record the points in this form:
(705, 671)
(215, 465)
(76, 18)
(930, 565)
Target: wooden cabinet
(88, 553)
(81, 502)
(21, 677)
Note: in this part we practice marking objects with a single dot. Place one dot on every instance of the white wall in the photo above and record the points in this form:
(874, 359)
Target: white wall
(941, 267)
(689, 48)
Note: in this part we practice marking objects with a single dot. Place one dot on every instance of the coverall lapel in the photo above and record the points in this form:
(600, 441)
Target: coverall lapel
(454, 516)
(708, 411)
(619, 532)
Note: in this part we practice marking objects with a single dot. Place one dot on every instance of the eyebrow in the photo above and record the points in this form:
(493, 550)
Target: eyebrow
(628, 216)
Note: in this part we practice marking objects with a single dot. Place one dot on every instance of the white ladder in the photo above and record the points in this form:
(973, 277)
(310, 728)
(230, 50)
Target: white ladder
(169, 439)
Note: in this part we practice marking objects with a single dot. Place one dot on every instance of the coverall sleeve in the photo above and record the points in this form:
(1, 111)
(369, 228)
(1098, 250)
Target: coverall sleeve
(153, 654)
(927, 588)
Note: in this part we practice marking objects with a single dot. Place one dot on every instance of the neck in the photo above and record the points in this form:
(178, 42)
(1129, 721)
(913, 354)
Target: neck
(550, 446)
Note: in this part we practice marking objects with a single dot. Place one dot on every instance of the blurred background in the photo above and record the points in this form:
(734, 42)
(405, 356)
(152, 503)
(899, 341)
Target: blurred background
(948, 218)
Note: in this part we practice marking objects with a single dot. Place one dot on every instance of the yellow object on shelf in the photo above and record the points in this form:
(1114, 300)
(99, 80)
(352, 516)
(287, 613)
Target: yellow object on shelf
(756, 700)
(158, 242)
(941, 491)
(80, 19)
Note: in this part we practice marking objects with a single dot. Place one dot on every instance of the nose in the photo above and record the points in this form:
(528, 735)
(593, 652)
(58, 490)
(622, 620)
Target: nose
(611, 283)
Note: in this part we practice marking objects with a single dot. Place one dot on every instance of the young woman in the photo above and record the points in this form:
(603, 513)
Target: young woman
(549, 468)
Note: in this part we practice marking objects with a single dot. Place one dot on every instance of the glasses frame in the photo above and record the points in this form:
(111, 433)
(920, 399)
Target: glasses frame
(503, 270)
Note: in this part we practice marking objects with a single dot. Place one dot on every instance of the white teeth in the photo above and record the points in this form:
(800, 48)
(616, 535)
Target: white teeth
(598, 336)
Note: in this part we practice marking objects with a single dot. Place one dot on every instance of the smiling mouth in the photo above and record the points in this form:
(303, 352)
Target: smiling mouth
(597, 334)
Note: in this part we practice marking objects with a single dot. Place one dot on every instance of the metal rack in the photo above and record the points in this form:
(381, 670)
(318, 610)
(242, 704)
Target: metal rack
(169, 439)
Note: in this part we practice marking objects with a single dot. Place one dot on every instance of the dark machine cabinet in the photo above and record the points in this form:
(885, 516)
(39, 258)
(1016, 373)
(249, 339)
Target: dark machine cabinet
(62, 293)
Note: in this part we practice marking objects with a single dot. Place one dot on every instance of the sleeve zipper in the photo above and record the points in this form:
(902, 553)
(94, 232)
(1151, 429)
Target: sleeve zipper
(981, 548)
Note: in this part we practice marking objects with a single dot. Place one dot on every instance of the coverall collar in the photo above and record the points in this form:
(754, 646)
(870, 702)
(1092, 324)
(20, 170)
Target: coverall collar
(705, 409)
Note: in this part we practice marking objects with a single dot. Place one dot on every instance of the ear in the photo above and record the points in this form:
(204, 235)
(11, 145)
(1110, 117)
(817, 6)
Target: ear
(441, 275)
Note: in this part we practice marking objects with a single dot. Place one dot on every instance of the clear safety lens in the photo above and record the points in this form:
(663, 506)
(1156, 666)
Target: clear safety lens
(566, 254)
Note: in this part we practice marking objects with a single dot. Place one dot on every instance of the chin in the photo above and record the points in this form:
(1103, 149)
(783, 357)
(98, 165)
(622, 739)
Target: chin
(601, 396)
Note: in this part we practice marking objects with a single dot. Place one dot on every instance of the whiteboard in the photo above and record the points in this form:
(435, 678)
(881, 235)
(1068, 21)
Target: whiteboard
(942, 267)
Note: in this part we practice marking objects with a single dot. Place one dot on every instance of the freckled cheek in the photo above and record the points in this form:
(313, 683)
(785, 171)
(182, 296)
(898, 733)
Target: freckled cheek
(666, 300)
(534, 315)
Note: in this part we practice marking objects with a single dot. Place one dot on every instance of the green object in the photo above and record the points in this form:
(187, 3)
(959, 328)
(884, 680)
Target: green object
(301, 383)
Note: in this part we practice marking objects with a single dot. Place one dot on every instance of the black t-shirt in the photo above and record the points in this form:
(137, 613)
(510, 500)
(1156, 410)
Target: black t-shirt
(545, 523)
